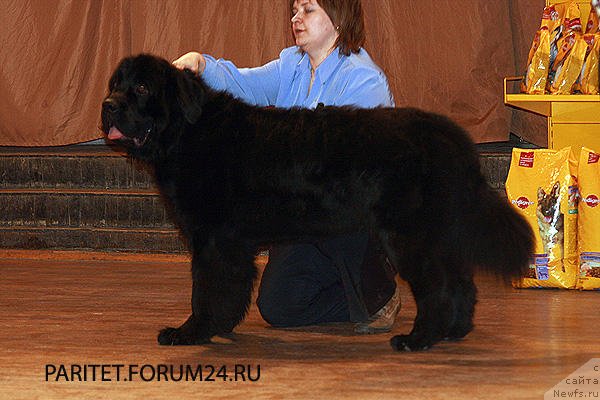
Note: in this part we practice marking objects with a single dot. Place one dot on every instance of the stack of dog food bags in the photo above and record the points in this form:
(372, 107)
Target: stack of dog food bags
(562, 59)
(589, 220)
(541, 186)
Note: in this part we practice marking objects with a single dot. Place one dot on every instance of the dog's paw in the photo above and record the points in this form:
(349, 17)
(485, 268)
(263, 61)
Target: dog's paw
(409, 343)
(176, 337)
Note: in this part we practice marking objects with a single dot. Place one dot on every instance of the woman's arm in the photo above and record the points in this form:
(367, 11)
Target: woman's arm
(366, 90)
(257, 85)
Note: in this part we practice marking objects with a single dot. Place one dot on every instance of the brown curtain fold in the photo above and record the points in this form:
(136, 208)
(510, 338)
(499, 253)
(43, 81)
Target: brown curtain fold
(444, 56)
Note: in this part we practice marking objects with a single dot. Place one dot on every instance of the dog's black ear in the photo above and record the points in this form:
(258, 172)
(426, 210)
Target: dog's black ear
(190, 95)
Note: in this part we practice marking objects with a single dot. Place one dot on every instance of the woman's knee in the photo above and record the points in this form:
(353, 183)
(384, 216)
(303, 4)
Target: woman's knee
(283, 309)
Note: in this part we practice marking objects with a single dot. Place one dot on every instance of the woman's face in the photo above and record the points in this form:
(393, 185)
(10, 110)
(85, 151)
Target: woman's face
(313, 30)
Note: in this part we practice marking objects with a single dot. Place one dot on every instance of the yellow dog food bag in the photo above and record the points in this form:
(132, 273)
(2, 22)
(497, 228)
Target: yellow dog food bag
(589, 220)
(592, 24)
(589, 83)
(542, 187)
(571, 51)
(543, 50)
(536, 75)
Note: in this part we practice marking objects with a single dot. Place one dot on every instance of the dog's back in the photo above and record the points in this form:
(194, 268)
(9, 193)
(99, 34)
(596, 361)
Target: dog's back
(399, 171)
(402, 172)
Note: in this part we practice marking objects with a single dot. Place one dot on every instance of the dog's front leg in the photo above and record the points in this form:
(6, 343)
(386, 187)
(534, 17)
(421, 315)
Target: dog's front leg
(223, 277)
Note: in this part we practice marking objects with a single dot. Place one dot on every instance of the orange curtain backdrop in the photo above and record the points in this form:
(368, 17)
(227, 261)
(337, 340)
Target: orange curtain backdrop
(446, 56)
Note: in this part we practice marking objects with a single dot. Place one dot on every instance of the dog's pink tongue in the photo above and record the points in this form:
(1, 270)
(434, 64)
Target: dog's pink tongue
(115, 134)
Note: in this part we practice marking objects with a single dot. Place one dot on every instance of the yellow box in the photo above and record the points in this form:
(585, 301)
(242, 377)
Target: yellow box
(574, 135)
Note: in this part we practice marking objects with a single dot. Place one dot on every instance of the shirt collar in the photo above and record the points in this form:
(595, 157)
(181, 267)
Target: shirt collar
(326, 68)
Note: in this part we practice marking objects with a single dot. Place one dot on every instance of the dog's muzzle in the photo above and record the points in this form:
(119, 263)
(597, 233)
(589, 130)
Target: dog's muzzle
(110, 106)
(110, 111)
(111, 115)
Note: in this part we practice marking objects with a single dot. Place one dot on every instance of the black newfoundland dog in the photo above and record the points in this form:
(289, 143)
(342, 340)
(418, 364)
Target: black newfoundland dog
(240, 177)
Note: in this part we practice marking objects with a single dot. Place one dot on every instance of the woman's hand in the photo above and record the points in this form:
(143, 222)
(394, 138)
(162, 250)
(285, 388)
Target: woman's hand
(193, 61)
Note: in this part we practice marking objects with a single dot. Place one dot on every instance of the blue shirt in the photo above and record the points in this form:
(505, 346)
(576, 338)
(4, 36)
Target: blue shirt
(339, 80)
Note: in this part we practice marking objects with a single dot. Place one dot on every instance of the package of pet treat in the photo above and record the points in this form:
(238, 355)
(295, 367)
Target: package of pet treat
(560, 16)
(572, 48)
(538, 64)
(568, 64)
(541, 186)
(588, 81)
(589, 220)
(540, 53)
(592, 23)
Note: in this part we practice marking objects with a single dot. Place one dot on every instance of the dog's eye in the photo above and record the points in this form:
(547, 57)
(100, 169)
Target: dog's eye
(141, 90)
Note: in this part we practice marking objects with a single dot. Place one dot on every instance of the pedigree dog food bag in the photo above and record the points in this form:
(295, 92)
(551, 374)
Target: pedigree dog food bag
(543, 50)
(589, 82)
(593, 23)
(541, 186)
(538, 64)
(589, 220)
(571, 51)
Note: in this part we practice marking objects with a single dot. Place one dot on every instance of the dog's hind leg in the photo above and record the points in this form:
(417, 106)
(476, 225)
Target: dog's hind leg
(441, 311)
(464, 298)
(223, 277)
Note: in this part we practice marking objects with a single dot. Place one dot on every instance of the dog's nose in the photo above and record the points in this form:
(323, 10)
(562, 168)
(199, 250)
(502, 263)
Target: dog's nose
(110, 106)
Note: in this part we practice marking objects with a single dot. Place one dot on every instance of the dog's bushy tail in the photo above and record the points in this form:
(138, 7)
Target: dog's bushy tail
(501, 241)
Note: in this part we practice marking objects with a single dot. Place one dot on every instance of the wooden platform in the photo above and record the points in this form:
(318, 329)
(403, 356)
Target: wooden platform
(77, 309)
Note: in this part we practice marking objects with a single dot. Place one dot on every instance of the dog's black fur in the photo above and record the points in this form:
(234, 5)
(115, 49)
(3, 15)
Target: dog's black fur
(240, 176)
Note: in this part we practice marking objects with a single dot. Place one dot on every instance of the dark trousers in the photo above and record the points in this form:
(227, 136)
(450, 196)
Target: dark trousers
(336, 280)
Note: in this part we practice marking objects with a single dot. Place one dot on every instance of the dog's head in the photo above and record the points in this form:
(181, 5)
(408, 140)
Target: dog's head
(148, 101)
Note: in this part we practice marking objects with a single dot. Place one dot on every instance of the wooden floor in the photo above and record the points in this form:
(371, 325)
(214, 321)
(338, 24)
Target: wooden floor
(98, 311)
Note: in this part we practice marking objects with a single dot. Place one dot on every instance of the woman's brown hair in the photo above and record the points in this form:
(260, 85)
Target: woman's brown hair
(348, 19)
